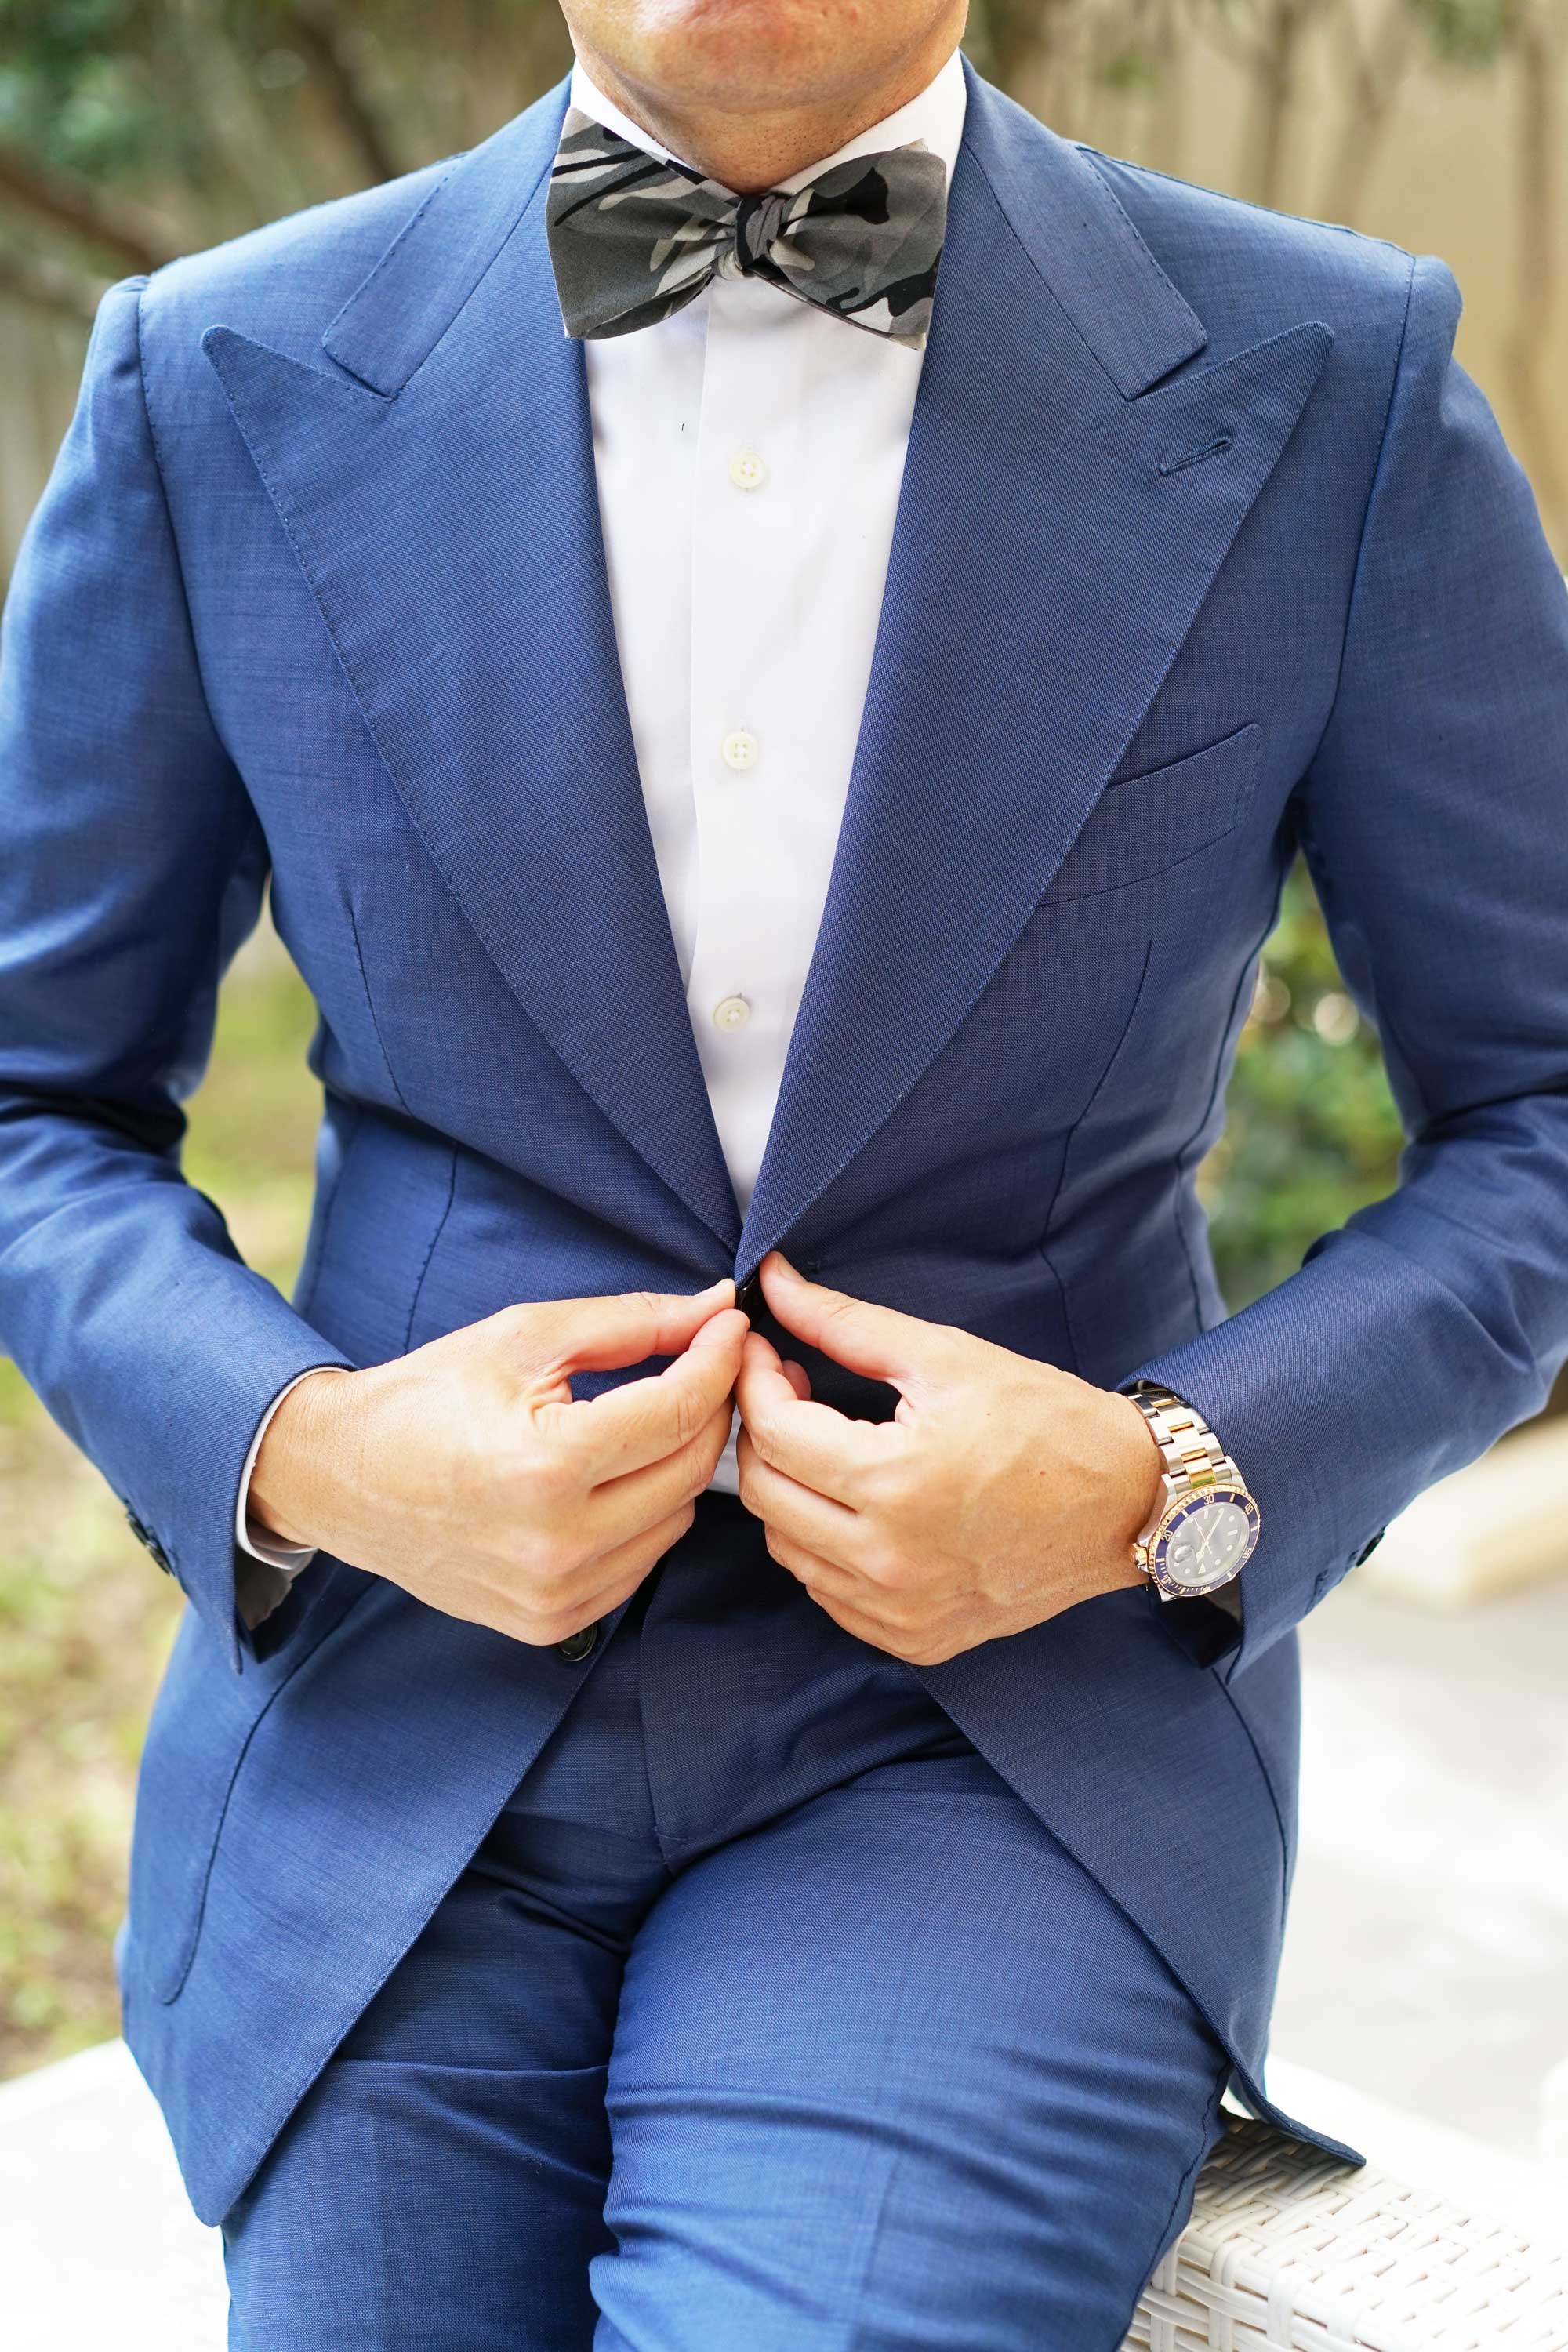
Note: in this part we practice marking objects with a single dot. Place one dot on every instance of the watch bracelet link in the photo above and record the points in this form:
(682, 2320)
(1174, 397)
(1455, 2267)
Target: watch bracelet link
(1195, 1464)
(1188, 1445)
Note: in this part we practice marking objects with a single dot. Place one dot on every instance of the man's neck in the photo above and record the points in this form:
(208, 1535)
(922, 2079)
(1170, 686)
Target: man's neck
(747, 148)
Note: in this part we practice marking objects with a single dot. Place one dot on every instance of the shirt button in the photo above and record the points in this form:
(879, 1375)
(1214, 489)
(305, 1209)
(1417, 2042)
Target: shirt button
(731, 1012)
(578, 1646)
(739, 750)
(747, 470)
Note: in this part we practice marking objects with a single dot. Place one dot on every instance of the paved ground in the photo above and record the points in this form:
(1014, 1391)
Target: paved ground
(1427, 1954)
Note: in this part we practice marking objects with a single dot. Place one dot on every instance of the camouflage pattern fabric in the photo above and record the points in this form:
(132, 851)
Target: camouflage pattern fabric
(632, 239)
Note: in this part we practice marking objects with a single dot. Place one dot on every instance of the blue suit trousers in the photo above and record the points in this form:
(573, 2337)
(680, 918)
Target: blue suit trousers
(766, 2016)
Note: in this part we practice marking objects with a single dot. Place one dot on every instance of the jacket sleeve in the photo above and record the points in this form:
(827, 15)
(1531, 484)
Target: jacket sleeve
(131, 866)
(1434, 820)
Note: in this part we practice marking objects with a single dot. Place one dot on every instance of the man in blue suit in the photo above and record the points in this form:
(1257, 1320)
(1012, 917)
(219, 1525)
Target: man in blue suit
(683, 1817)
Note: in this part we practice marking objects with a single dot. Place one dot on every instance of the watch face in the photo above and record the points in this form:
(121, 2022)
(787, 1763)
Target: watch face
(1206, 1539)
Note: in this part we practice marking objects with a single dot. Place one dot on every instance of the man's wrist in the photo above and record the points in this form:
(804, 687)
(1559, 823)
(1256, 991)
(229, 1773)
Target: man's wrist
(1205, 1520)
(1130, 1489)
(281, 1504)
(1142, 1483)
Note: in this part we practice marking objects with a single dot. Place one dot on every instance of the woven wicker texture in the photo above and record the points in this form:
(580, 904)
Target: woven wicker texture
(1288, 2251)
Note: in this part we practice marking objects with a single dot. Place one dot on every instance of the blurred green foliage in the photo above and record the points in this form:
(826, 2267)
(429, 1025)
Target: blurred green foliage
(1311, 1132)
(78, 88)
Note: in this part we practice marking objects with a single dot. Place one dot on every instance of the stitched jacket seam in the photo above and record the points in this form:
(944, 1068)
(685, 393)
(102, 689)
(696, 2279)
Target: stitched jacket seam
(991, 189)
(1130, 230)
(1182, 1155)
(160, 473)
(385, 259)
(523, 210)
(1098, 156)
(1043, 1245)
(1267, 1782)
(370, 1006)
(1366, 515)
(319, 1258)
(440, 1228)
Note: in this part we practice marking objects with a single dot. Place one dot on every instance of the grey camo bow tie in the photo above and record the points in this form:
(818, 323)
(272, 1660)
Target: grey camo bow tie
(632, 239)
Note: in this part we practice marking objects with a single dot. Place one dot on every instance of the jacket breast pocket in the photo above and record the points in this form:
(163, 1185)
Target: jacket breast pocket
(1143, 825)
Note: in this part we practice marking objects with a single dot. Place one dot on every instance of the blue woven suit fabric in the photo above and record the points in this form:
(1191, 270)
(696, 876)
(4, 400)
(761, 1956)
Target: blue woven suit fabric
(1207, 553)
(766, 2014)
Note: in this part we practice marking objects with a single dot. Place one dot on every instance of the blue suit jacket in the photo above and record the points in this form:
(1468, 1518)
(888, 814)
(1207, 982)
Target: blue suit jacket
(1206, 550)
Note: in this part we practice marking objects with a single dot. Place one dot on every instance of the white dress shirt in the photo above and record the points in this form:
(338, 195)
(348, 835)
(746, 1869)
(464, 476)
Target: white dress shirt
(749, 453)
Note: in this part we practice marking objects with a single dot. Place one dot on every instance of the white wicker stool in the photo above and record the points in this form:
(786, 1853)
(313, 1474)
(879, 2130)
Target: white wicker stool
(1290, 2251)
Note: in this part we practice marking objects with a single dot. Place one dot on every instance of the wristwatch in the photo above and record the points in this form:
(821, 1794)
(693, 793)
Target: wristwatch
(1206, 1525)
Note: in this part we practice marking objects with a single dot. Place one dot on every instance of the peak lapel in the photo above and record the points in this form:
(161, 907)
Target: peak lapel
(1044, 572)
(439, 491)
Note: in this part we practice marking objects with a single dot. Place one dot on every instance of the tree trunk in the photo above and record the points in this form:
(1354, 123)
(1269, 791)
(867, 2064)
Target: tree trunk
(1527, 350)
(1376, 75)
(319, 36)
(135, 238)
(50, 285)
(1275, 89)
(1168, 125)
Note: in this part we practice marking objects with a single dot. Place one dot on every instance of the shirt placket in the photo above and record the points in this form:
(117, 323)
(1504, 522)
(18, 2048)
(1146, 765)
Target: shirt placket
(743, 984)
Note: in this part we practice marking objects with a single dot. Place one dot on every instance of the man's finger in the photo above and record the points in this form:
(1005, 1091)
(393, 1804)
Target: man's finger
(617, 1508)
(616, 1575)
(875, 1340)
(810, 1443)
(821, 1577)
(798, 1512)
(856, 1622)
(600, 1335)
(643, 1421)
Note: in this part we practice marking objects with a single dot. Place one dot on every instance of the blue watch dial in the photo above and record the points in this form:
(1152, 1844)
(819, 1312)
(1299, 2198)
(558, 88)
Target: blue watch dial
(1204, 1541)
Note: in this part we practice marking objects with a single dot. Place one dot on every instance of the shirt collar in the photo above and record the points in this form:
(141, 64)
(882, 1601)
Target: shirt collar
(934, 114)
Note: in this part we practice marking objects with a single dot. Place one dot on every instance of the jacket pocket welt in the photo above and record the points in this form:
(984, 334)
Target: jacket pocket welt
(1143, 825)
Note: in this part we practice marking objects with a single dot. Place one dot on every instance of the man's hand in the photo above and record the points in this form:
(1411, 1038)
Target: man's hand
(1001, 1492)
(467, 1473)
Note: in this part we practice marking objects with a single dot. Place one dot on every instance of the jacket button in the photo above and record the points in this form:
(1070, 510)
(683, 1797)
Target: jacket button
(145, 1537)
(749, 1294)
(578, 1646)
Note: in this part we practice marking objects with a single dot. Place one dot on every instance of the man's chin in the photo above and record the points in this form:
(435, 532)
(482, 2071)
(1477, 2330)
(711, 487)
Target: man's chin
(761, 57)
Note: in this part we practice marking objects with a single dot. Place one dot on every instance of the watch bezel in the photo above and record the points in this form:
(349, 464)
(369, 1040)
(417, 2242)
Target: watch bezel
(1184, 1507)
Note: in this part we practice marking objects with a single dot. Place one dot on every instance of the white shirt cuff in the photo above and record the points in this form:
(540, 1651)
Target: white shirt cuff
(289, 1557)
